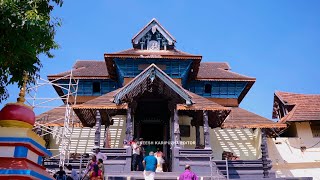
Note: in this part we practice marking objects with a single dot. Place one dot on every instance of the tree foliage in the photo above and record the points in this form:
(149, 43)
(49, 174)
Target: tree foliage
(26, 31)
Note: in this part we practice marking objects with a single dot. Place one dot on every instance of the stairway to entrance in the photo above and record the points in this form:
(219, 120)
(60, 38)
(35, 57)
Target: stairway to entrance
(161, 175)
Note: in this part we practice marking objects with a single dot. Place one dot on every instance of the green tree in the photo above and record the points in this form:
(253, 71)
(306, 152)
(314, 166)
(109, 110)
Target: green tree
(26, 31)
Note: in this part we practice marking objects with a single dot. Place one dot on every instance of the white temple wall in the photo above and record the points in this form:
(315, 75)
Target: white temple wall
(82, 139)
(186, 120)
(244, 143)
(289, 160)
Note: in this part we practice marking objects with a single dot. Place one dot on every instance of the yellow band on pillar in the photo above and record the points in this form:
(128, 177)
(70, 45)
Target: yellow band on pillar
(14, 123)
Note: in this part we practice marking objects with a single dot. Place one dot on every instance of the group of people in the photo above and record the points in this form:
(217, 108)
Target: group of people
(153, 162)
(139, 152)
(150, 165)
(94, 169)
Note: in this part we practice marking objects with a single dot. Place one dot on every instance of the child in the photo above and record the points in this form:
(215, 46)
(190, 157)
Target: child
(100, 165)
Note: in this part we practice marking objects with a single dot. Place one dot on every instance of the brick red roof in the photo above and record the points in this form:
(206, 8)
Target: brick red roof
(86, 69)
(138, 53)
(55, 117)
(219, 71)
(306, 106)
(241, 118)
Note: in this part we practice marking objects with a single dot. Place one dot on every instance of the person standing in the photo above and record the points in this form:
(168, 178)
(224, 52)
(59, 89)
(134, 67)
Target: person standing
(160, 160)
(142, 154)
(135, 155)
(188, 174)
(101, 166)
(149, 164)
(61, 174)
(90, 165)
(73, 173)
(99, 155)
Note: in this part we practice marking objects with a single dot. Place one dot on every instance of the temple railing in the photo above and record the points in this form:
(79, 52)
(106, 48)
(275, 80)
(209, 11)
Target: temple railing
(199, 160)
(118, 159)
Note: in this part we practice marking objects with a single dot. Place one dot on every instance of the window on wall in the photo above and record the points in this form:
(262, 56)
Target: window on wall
(315, 128)
(207, 88)
(96, 87)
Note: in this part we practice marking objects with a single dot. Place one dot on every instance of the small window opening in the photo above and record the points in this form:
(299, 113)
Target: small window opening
(96, 87)
(291, 131)
(207, 88)
(315, 128)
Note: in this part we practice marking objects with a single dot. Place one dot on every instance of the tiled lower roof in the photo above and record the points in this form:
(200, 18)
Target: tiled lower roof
(219, 71)
(55, 117)
(86, 69)
(241, 118)
(91, 69)
(306, 106)
(132, 53)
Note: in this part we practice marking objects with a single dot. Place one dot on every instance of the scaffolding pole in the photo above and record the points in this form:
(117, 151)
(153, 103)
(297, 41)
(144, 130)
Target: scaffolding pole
(43, 126)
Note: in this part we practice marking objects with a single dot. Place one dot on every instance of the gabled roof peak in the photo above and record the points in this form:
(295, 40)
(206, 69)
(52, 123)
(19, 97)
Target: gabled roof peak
(153, 37)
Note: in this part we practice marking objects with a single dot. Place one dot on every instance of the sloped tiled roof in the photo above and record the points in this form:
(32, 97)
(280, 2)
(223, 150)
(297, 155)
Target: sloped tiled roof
(137, 53)
(306, 106)
(55, 117)
(219, 71)
(86, 69)
(241, 118)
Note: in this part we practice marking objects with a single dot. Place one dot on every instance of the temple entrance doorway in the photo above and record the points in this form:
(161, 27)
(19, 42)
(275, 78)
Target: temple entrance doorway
(151, 122)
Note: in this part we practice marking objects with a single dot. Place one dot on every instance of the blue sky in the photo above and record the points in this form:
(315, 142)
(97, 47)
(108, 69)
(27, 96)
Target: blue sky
(278, 42)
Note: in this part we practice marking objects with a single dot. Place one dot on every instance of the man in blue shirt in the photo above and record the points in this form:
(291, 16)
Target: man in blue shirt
(149, 164)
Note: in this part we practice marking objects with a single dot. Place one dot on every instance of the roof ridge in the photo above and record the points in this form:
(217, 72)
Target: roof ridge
(120, 51)
(89, 60)
(294, 93)
(59, 73)
(236, 73)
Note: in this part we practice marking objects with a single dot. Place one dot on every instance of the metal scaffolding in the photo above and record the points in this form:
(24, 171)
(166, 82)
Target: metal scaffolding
(69, 87)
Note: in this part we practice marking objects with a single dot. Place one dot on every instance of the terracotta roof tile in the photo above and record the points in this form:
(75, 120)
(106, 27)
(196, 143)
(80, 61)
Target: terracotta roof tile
(219, 71)
(137, 53)
(86, 69)
(306, 106)
(54, 117)
(241, 118)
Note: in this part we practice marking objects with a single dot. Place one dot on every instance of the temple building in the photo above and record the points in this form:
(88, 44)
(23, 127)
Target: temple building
(295, 151)
(187, 108)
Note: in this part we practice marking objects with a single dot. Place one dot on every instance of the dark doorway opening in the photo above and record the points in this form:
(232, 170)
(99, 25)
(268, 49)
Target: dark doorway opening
(151, 122)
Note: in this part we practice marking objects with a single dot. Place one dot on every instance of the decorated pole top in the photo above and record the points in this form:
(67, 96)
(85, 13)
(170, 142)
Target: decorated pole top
(18, 114)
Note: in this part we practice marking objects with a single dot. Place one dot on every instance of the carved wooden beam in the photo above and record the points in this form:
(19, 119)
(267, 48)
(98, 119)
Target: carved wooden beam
(129, 135)
(206, 130)
(98, 129)
(264, 152)
(176, 128)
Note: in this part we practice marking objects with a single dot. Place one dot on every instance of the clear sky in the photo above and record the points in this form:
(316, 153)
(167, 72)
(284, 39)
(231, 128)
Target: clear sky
(277, 41)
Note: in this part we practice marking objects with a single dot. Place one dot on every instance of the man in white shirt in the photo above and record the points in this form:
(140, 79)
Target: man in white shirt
(100, 155)
(135, 155)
